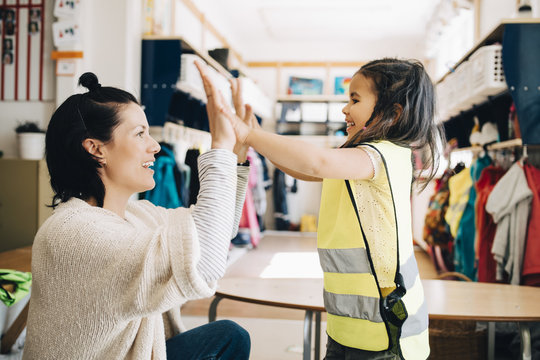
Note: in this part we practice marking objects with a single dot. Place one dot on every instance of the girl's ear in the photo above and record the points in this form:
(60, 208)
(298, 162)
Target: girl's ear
(95, 148)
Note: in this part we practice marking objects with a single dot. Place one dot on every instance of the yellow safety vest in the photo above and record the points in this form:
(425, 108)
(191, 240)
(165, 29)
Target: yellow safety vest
(358, 315)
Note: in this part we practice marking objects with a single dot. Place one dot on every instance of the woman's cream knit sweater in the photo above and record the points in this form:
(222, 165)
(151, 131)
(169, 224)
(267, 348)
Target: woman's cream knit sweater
(103, 284)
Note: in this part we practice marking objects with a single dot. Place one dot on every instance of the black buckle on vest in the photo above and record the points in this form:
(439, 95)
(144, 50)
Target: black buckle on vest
(393, 306)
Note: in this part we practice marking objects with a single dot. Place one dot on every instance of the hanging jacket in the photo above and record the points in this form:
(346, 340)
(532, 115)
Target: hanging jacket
(464, 255)
(531, 260)
(165, 192)
(191, 160)
(459, 186)
(249, 214)
(259, 192)
(281, 211)
(485, 226)
(509, 203)
(436, 229)
(358, 315)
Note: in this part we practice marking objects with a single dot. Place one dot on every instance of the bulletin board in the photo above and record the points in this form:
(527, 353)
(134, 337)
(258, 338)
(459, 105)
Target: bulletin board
(22, 25)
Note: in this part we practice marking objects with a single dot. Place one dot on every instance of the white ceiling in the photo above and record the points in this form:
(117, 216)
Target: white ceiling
(322, 30)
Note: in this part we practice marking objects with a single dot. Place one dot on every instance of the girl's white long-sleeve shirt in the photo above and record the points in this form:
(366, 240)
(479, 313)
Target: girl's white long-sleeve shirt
(101, 283)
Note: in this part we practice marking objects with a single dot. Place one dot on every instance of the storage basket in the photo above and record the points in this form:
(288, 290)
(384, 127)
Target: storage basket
(451, 92)
(314, 112)
(335, 112)
(190, 80)
(487, 74)
(188, 72)
(456, 339)
(451, 340)
(462, 86)
(442, 100)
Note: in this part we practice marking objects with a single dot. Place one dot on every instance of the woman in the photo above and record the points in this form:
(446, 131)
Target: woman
(111, 274)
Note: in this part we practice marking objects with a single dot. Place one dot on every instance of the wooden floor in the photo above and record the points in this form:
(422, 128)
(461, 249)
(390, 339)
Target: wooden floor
(274, 247)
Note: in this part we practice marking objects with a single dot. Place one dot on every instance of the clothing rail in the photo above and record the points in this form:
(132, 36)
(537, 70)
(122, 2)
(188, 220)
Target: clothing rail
(467, 154)
(184, 138)
(174, 133)
(495, 146)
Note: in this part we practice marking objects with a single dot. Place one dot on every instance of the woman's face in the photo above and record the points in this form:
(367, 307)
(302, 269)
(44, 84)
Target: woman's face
(361, 103)
(130, 154)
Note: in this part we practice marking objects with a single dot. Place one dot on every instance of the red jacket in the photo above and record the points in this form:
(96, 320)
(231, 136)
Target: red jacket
(485, 226)
(531, 259)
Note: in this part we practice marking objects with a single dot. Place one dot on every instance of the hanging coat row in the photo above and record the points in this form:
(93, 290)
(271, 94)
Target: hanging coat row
(484, 221)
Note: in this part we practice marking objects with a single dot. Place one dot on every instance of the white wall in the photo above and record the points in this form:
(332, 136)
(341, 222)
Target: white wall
(491, 13)
(13, 112)
(112, 42)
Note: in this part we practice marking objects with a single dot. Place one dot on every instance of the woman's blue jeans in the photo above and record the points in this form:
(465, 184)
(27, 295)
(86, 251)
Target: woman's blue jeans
(221, 340)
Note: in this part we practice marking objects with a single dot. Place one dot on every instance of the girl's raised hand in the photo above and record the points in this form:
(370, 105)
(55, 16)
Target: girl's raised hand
(221, 128)
(243, 113)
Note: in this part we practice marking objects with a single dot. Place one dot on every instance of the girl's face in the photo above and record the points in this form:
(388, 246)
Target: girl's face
(361, 103)
(130, 153)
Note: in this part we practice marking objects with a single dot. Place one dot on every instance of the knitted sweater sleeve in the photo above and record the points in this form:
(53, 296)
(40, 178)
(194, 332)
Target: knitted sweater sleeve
(216, 218)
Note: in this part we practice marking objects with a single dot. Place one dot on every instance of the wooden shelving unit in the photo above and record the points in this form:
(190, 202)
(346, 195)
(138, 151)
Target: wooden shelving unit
(494, 36)
(190, 48)
(308, 127)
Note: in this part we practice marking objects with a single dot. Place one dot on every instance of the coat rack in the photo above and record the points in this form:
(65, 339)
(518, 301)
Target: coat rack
(184, 138)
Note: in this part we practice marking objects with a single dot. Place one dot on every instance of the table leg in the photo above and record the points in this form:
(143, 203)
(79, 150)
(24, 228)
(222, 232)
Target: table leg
(525, 340)
(317, 335)
(491, 340)
(212, 312)
(307, 335)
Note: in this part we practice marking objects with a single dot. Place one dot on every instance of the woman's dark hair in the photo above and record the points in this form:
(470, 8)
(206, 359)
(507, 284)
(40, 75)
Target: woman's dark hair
(94, 114)
(405, 109)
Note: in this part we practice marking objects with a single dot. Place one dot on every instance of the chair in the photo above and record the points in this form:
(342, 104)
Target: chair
(12, 334)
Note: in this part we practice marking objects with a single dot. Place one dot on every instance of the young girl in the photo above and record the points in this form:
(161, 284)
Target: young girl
(109, 274)
(372, 291)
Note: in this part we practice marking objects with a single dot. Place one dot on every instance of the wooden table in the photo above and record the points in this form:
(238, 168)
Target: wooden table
(17, 259)
(302, 294)
(449, 300)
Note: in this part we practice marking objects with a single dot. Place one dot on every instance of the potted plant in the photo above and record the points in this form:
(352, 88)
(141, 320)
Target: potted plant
(31, 140)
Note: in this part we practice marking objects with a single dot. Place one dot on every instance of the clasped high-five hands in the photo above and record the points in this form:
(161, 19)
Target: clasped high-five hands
(229, 131)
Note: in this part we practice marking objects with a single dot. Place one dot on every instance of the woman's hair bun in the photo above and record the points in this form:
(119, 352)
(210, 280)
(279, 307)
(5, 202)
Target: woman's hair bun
(90, 81)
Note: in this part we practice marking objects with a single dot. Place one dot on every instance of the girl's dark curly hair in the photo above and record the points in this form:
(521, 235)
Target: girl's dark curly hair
(405, 109)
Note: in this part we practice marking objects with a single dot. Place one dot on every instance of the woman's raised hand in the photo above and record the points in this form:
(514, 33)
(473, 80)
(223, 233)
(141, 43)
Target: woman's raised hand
(221, 128)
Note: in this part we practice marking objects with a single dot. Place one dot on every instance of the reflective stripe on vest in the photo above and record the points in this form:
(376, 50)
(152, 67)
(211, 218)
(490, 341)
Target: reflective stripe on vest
(351, 293)
(352, 296)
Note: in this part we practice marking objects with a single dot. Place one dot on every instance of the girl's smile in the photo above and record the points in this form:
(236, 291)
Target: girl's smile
(362, 100)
